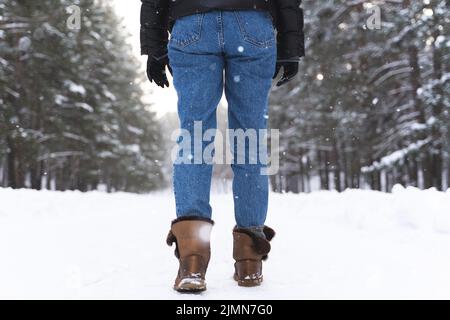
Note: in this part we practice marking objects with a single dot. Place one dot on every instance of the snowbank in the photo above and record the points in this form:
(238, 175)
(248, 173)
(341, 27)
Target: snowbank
(357, 244)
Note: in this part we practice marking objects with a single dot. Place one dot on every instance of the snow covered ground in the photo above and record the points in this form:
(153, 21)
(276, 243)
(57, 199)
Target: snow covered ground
(358, 244)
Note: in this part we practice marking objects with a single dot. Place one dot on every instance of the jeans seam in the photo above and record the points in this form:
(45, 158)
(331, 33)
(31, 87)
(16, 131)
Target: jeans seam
(220, 35)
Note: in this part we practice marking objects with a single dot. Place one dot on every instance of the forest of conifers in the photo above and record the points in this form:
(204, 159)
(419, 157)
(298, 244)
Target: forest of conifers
(369, 109)
(71, 111)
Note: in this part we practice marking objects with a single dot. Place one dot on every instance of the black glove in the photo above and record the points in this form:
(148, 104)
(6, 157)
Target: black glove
(156, 70)
(290, 70)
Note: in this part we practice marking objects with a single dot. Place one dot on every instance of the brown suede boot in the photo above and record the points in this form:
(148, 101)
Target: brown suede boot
(249, 250)
(191, 236)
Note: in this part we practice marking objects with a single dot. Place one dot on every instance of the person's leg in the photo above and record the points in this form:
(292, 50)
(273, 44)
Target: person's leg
(197, 64)
(250, 65)
(250, 49)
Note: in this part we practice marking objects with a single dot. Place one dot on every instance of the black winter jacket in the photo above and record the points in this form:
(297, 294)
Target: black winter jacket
(159, 16)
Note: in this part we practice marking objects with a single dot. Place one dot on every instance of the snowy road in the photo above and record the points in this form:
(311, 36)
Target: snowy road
(358, 244)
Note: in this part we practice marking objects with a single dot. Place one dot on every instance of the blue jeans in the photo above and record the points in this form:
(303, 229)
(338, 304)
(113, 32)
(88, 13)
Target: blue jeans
(201, 47)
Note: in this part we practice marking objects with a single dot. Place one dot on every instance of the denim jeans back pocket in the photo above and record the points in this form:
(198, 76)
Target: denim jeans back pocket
(256, 27)
(187, 30)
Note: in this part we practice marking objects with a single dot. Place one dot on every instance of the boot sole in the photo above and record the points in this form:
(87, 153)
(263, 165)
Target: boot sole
(248, 283)
(190, 286)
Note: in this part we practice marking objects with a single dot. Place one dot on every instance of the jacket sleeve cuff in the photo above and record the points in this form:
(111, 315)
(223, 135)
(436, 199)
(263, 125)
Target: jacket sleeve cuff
(287, 60)
(155, 54)
(160, 57)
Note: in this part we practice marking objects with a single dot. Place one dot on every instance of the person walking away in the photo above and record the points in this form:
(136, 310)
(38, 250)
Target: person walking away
(251, 41)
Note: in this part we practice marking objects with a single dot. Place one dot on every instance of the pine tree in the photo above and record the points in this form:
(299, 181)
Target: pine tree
(72, 115)
(370, 107)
